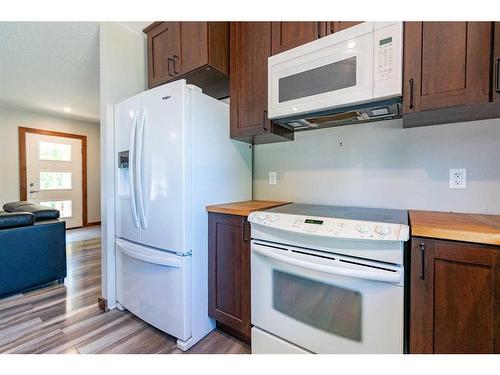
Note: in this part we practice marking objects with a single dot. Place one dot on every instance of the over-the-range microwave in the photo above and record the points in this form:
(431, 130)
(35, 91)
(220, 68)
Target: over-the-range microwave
(351, 76)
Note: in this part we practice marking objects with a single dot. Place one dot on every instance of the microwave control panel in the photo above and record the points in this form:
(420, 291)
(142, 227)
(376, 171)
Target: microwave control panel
(385, 58)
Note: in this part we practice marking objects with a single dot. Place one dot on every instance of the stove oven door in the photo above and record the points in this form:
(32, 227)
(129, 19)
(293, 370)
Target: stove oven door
(327, 303)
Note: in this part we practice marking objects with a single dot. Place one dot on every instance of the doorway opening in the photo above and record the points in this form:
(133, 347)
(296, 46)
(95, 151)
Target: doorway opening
(53, 172)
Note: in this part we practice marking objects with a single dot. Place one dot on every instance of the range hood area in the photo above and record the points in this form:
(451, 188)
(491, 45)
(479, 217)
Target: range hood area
(350, 77)
(357, 114)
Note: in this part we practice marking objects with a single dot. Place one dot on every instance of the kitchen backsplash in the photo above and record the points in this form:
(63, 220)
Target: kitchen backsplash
(384, 165)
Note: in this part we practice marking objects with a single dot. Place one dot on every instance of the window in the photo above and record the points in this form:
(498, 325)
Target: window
(55, 180)
(327, 307)
(54, 151)
(64, 207)
(332, 77)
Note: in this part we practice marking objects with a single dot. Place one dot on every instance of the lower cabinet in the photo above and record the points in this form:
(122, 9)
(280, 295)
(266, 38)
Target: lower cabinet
(229, 273)
(455, 297)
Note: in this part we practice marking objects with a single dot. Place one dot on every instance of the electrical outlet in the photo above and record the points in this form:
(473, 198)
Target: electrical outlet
(458, 178)
(272, 178)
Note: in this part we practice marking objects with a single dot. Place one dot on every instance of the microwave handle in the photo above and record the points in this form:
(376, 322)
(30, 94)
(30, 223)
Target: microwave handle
(369, 274)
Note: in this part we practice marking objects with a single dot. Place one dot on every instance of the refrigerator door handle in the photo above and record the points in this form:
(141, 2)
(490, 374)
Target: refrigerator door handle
(131, 165)
(138, 180)
(161, 258)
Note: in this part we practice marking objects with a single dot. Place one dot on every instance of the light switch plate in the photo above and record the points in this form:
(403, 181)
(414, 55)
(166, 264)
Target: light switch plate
(458, 178)
(272, 178)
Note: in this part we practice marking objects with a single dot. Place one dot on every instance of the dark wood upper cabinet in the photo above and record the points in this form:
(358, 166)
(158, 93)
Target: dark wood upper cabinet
(446, 64)
(454, 297)
(287, 35)
(496, 63)
(229, 272)
(163, 45)
(335, 26)
(250, 48)
(196, 51)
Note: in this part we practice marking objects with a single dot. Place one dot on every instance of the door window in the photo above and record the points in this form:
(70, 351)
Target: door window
(65, 208)
(55, 180)
(327, 78)
(52, 151)
(327, 307)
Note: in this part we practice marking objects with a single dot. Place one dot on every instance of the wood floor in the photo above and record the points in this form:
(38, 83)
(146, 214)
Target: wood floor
(66, 319)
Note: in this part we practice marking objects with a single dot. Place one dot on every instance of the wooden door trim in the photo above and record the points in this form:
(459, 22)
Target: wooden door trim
(22, 163)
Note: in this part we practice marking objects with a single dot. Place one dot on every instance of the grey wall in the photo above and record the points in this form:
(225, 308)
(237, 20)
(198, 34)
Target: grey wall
(10, 121)
(383, 165)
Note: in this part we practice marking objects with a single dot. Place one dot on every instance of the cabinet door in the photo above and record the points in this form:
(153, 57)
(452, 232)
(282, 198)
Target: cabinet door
(163, 45)
(496, 63)
(446, 64)
(194, 47)
(250, 46)
(229, 271)
(455, 297)
(287, 35)
(335, 26)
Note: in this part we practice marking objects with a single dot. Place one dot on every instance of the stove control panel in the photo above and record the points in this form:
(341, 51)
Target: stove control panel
(332, 227)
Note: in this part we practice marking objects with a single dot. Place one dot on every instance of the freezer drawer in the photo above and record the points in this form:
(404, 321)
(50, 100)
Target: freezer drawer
(155, 286)
(265, 343)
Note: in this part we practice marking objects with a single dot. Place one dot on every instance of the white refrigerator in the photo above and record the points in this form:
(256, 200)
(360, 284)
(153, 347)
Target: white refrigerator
(174, 157)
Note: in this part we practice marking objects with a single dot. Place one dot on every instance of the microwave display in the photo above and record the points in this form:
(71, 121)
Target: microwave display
(385, 41)
(312, 221)
(327, 78)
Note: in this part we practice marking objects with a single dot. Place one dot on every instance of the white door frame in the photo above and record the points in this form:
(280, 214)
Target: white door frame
(22, 163)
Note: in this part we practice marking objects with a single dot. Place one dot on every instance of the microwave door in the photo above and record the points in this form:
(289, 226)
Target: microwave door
(331, 76)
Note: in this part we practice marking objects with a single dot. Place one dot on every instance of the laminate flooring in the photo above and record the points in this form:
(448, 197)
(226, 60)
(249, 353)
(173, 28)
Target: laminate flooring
(66, 319)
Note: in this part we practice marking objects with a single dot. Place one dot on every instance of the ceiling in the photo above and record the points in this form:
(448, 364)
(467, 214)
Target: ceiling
(50, 66)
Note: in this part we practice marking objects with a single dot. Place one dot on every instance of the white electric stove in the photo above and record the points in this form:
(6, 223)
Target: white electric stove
(328, 279)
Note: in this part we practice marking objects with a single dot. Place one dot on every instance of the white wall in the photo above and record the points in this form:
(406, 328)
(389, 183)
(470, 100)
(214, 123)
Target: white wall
(11, 119)
(122, 74)
(384, 165)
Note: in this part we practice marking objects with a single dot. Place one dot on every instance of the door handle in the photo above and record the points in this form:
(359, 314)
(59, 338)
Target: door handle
(131, 166)
(245, 230)
(170, 60)
(319, 29)
(175, 59)
(139, 171)
(422, 261)
(412, 85)
(34, 191)
(369, 273)
(264, 120)
(497, 83)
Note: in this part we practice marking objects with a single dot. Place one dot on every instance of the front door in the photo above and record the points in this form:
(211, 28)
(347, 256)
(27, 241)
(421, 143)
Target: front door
(54, 175)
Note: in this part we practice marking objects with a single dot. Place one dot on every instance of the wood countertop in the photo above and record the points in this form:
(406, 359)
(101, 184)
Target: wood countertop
(243, 208)
(484, 229)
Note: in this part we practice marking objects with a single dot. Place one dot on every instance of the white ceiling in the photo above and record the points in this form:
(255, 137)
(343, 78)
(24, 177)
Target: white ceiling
(47, 66)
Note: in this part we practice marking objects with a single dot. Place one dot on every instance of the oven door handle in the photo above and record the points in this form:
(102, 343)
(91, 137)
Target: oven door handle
(373, 274)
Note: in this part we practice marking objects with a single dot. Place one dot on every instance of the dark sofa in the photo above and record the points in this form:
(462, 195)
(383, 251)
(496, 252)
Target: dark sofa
(32, 247)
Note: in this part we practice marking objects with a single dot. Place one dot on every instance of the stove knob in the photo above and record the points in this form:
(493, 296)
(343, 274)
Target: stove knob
(363, 228)
(383, 229)
(273, 218)
(261, 217)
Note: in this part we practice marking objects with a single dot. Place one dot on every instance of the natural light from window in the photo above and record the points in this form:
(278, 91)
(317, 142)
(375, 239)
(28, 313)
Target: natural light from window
(55, 180)
(54, 151)
(65, 207)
